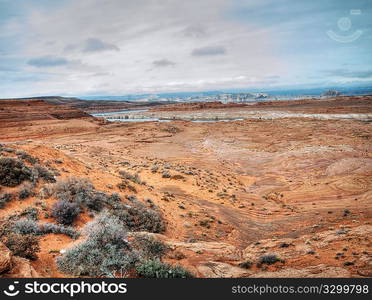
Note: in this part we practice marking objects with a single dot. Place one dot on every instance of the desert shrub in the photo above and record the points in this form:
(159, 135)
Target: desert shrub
(27, 157)
(9, 150)
(171, 129)
(5, 198)
(30, 213)
(46, 191)
(269, 259)
(114, 198)
(149, 246)
(134, 178)
(246, 264)
(65, 212)
(94, 200)
(45, 174)
(28, 226)
(104, 252)
(46, 228)
(26, 246)
(25, 191)
(13, 171)
(166, 174)
(124, 184)
(72, 187)
(82, 192)
(137, 217)
(154, 169)
(157, 269)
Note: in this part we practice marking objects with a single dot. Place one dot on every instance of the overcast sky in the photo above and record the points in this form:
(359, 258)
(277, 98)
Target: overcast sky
(116, 47)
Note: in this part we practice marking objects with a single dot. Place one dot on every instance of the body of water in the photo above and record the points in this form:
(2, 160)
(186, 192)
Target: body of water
(119, 112)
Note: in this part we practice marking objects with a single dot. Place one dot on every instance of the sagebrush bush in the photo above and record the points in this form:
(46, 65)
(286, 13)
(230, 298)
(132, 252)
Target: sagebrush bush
(27, 226)
(149, 247)
(25, 191)
(137, 217)
(166, 174)
(46, 228)
(71, 188)
(5, 198)
(45, 174)
(134, 178)
(26, 246)
(82, 192)
(157, 269)
(27, 157)
(30, 213)
(65, 212)
(269, 259)
(13, 171)
(105, 251)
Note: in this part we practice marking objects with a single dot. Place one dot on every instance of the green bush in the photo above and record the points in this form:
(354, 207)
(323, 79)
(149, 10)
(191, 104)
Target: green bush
(157, 269)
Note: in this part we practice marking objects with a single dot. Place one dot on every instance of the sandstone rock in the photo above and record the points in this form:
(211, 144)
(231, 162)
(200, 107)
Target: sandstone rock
(22, 268)
(222, 270)
(5, 258)
(319, 271)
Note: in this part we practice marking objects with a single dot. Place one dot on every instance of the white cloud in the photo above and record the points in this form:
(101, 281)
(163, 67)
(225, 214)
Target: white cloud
(155, 42)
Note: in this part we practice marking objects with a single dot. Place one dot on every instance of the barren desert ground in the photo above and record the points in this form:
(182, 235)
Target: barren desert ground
(284, 182)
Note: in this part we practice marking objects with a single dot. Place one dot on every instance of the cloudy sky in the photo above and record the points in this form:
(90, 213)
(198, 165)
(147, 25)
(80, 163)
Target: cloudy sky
(116, 47)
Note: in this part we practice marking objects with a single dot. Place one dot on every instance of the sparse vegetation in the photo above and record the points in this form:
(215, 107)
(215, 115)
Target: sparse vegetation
(65, 212)
(134, 178)
(13, 171)
(149, 246)
(104, 252)
(269, 259)
(25, 191)
(30, 213)
(81, 192)
(26, 246)
(166, 174)
(28, 226)
(44, 173)
(137, 217)
(5, 198)
(157, 269)
(27, 157)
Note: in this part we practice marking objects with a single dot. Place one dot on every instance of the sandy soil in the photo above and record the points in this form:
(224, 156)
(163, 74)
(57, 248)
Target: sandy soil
(297, 187)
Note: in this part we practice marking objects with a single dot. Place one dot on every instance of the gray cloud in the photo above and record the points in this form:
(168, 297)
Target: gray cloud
(96, 45)
(48, 61)
(163, 63)
(207, 51)
(195, 31)
(349, 73)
